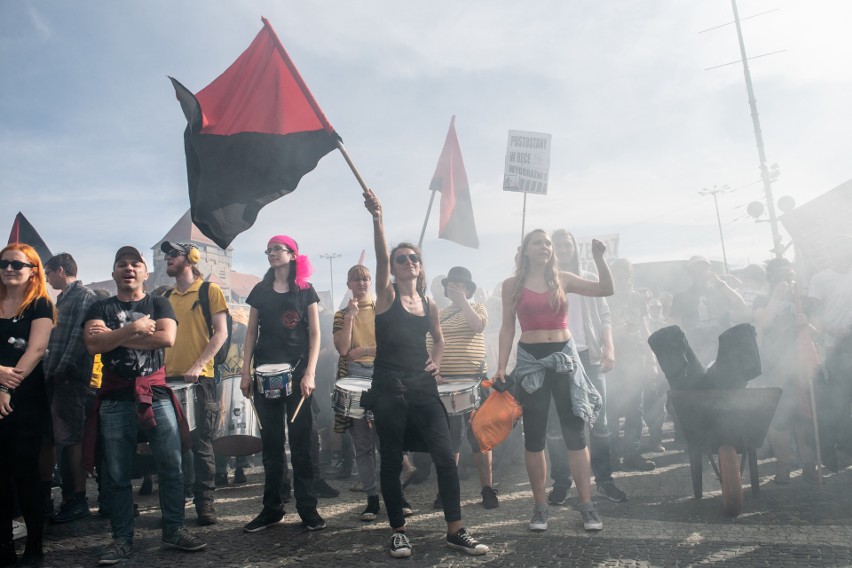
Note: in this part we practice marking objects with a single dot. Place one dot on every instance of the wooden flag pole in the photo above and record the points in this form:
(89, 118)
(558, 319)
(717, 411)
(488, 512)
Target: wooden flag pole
(524, 219)
(810, 380)
(426, 220)
(351, 165)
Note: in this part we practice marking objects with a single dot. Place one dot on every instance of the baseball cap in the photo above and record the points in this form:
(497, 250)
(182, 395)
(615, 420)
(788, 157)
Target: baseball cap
(130, 251)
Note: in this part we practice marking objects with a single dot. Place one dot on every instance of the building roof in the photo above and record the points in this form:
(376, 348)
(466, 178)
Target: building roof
(185, 231)
(241, 283)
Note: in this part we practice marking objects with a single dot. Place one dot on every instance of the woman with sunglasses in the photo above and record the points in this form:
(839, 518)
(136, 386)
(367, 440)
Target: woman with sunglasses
(283, 327)
(548, 364)
(26, 320)
(404, 397)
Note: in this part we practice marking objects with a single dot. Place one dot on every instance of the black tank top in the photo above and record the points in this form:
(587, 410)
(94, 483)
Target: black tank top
(401, 338)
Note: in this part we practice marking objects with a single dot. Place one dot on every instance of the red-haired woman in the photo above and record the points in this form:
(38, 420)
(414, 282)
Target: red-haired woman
(405, 405)
(548, 364)
(26, 319)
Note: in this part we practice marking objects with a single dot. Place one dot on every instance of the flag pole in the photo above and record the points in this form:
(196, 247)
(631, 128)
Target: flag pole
(426, 220)
(524, 218)
(810, 380)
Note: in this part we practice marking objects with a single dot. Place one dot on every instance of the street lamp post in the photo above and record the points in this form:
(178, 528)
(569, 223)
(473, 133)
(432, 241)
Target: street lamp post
(715, 192)
(331, 256)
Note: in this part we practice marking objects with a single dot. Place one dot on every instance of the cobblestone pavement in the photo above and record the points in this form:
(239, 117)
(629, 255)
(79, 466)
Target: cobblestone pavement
(661, 525)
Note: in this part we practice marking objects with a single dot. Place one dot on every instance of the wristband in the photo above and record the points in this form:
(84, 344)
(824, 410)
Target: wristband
(7, 390)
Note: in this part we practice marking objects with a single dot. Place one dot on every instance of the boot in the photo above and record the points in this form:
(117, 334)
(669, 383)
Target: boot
(7, 554)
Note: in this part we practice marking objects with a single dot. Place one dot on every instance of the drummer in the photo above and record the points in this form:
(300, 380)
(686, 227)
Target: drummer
(190, 361)
(283, 328)
(354, 332)
(463, 326)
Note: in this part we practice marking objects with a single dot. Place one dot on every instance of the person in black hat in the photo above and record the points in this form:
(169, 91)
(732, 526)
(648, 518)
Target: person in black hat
(463, 325)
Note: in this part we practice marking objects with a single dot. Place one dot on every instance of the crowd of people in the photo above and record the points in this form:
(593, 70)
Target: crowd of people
(88, 377)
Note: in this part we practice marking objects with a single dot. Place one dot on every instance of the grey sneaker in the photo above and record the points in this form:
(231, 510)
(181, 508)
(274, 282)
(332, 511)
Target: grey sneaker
(611, 492)
(182, 540)
(591, 520)
(399, 546)
(117, 551)
(539, 520)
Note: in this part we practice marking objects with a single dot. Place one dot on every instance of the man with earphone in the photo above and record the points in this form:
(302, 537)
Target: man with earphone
(191, 360)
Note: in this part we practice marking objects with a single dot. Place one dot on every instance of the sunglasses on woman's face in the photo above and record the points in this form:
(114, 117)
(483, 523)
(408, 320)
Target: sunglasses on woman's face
(15, 264)
(403, 258)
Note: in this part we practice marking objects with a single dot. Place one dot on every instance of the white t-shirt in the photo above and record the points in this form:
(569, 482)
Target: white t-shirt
(834, 291)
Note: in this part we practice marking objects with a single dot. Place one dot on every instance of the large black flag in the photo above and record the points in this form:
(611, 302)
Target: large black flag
(251, 135)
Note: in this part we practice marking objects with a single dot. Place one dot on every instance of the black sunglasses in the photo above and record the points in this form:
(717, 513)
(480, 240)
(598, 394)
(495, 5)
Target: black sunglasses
(173, 254)
(15, 264)
(403, 258)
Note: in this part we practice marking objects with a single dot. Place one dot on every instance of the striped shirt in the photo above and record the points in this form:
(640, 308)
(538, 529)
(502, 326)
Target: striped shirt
(464, 350)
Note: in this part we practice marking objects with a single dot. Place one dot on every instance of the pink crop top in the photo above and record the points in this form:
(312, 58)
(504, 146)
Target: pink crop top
(534, 312)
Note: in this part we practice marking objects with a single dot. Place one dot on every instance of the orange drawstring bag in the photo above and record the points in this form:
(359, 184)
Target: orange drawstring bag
(495, 418)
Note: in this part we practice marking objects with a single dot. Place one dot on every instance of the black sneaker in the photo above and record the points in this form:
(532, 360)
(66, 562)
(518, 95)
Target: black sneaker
(240, 475)
(324, 490)
(221, 479)
(182, 540)
(188, 496)
(438, 503)
(558, 495)
(147, 487)
(611, 492)
(71, 510)
(312, 521)
(117, 551)
(400, 547)
(372, 510)
(489, 497)
(206, 514)
(463, 541)
(637, 463)
(265, 519)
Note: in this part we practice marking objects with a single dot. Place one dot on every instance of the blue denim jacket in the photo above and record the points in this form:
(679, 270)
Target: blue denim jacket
(585, 399)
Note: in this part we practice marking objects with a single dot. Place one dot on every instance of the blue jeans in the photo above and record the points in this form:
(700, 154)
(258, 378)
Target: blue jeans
(599, 441)
(118, 433)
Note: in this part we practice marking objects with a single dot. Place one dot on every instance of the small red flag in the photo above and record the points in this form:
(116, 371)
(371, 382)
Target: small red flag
(24, 232)
(457, 222)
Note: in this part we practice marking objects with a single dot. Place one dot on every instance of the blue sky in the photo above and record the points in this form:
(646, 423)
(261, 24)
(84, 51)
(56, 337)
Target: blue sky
(91, 144)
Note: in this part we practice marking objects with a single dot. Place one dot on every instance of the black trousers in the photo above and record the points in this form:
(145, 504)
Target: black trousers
(20, 445)
(273, 414)
(394, 413)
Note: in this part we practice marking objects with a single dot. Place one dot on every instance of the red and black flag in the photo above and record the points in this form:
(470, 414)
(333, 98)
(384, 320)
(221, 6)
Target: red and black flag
(251, 135)
(457, 223)
(24, 232)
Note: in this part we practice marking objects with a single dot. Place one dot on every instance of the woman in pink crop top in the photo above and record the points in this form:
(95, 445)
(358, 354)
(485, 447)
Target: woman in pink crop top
(536, 295)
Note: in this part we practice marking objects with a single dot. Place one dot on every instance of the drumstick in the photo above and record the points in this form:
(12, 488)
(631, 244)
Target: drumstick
(256, 415)
(295, 414)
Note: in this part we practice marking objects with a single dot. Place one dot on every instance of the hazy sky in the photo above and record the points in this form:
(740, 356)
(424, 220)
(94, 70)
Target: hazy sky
(91, 136)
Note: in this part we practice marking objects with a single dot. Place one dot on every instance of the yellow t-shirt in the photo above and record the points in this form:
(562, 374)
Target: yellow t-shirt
(192, 333)
(363, 332)
(97, 372)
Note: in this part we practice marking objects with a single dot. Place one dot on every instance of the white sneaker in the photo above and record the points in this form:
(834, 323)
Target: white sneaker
(539, 520)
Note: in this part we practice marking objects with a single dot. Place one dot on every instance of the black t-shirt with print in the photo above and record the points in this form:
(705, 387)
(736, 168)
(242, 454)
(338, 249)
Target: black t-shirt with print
(283, 323)
(29, 400)
(131, 363)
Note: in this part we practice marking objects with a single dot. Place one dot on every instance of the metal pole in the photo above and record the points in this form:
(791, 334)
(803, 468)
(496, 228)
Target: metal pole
(777, 247)
(331, 256)
(721, 236)
(524, 218)
(715, 192)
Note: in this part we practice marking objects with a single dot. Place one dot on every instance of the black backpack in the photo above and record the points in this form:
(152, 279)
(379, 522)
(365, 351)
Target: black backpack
(204, 301)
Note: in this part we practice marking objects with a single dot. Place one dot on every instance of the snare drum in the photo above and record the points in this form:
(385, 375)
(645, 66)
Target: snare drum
(346, 398)
(460, 397)
(274, 380)
(185, 393)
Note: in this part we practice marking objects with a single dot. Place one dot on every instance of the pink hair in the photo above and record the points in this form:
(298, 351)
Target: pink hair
(304, 268)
